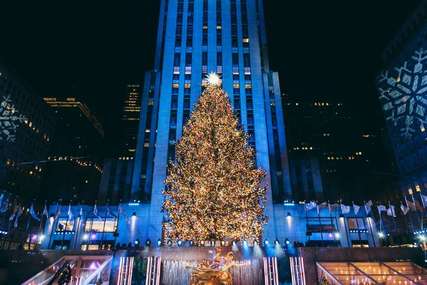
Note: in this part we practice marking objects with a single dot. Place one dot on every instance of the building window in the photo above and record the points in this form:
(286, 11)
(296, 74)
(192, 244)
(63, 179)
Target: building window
(219, 58)
(356, 224)
(205, 23)
(204, 58)
(246, 60)
(177, 59)
(65, 225)
(108, 225)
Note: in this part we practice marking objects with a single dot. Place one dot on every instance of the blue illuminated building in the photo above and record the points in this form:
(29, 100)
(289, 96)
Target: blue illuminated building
(402, 88)
(84, 227)
(196, 38)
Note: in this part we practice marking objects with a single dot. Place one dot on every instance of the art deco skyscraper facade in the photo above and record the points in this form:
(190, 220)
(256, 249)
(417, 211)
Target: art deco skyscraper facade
(196, 37)
(402, 90)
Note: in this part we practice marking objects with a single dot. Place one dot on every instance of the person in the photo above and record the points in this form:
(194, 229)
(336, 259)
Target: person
(62, 276)
(65, 276)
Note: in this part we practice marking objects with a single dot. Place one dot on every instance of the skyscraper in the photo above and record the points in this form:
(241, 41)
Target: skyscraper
(195, 38)
(130, 119)
(402, 88)
(330, 149)
(73, 168)
(26, 131)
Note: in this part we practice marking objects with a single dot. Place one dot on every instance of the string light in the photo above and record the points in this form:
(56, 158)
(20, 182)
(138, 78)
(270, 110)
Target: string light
(214, 190)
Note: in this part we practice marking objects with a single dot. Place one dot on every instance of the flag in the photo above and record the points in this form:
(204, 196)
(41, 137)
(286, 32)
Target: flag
(58, 211)
(410, 205)
(12, 217)
(3, 203)
(69, 213)
(391, 212)
(33, 213)
(119, 210)
(345, 209)
(356, 209)
(368, 206)
(45, 212)
(310, 206)
(424, 200)
(405, 209)
(18, 214)
(322, 205)
(95, 211)
(381, 208)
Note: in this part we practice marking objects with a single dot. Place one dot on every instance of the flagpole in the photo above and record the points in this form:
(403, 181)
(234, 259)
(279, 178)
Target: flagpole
(28, 227)
(411, 223)
(41, 221)
(420, 215)
(103, 228)
(53, 225)
(422, 212)
(63, 233)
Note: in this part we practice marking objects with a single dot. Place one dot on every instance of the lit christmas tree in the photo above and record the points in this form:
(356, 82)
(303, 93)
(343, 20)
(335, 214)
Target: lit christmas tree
(213, 189)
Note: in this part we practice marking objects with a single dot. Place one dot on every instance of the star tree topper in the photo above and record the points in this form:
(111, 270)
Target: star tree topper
(213, 79)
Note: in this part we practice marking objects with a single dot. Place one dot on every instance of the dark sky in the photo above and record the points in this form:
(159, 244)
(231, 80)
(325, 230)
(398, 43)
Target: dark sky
(91, 49)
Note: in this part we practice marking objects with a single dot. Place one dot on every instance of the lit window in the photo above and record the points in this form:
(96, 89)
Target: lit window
(65, 225)
(108, 225)
(246, 40)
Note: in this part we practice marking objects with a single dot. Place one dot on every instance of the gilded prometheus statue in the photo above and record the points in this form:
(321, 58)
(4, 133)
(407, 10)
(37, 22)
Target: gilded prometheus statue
(214, 272)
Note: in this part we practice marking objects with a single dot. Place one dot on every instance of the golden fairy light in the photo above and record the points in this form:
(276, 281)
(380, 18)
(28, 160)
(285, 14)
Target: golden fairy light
(214, 190)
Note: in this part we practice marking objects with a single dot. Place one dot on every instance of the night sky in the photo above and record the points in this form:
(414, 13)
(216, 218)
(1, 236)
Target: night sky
(91, 49)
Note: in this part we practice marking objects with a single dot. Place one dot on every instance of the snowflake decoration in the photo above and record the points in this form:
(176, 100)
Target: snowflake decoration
(10, 120)
(403, 95)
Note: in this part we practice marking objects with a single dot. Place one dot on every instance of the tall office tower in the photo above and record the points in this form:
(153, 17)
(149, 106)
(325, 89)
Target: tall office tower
(330, 149)
(117, 172)
(130, 119)
(73, 167)
(26, 131)
(195, 38)
(402, 88)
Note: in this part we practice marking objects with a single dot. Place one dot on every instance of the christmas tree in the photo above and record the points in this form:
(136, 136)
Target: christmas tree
(213, 189)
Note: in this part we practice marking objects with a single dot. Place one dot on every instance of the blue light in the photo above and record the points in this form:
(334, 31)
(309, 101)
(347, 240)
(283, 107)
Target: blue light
(159, 242)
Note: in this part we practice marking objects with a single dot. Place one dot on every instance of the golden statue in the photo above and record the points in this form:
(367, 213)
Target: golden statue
(214, 272)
